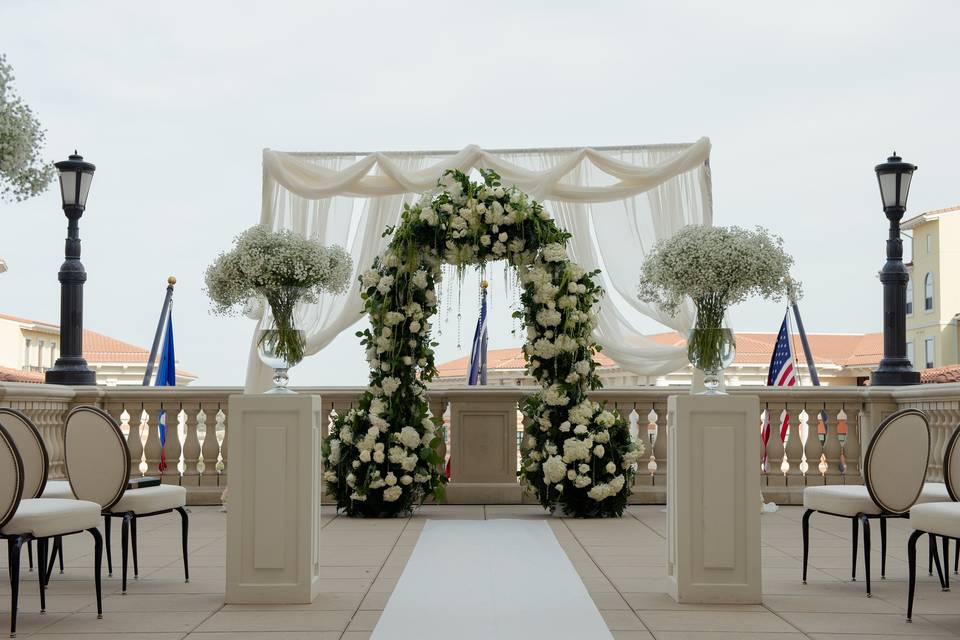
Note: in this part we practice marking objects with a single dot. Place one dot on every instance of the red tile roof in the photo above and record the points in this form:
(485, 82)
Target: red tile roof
(752, 348)
(19, 375)
(99, 348)
(941, 374)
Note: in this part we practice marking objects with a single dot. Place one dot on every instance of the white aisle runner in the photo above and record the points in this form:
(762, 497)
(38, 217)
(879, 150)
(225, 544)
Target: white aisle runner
(489, 580)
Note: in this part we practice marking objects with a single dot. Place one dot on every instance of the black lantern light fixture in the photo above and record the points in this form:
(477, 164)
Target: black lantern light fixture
(895, 368)
(71, 368)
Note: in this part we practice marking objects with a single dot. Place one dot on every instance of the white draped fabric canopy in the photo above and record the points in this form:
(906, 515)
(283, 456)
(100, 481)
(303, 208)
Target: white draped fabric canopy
(616, 201)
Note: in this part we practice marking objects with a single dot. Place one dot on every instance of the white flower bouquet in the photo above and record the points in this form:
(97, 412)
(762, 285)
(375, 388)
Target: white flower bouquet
(283, 268)
(715, 267)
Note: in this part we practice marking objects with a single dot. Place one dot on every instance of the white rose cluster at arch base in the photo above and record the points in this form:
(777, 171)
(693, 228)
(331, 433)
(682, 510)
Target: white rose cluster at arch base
(381, 457)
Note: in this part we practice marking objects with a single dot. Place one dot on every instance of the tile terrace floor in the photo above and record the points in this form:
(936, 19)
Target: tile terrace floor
(621, 563)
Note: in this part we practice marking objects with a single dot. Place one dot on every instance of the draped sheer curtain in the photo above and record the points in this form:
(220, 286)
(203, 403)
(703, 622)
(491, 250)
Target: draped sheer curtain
(617, 202)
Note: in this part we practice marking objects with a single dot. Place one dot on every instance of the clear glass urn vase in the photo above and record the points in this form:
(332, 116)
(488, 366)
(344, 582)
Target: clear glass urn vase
(281, 339)
(711, 349)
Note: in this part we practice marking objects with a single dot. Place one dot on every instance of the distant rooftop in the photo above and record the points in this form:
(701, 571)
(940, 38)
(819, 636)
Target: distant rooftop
(852, 350)
(97, 347)
(927, 216)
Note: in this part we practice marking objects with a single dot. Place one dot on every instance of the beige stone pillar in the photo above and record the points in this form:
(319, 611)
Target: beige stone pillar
(273, 519)
(713, 519)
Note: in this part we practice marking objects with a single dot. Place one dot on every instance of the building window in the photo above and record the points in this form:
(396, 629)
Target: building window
(40, 354)
(26, 353)
(910, 352)
(53, 353)
(929, 243)
(928, 292)
(909, 296)
(928, 355)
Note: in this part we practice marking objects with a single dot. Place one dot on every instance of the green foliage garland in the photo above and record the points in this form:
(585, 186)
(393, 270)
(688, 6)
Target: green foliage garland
(381, 458)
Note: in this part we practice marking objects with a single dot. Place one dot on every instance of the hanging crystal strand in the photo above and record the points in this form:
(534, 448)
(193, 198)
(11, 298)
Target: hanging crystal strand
(459, 308)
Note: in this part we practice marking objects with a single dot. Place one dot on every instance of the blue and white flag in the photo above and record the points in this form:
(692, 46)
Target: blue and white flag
(166, 377)
(478, 351)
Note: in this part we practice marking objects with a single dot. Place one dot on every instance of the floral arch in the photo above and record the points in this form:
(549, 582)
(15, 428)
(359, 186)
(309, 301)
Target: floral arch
(381, 457)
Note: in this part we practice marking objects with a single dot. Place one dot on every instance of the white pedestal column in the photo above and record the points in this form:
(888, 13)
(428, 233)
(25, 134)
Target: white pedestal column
(713, 496)
(273, 510)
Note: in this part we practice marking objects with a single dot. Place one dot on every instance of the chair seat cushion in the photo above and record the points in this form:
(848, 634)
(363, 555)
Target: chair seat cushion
(842, 500)
(151, 499)
(941, 518)
(934, 492)
(44, 517)
(58, 489)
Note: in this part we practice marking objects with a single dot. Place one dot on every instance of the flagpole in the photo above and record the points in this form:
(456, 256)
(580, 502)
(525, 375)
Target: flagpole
(811, 365)
(160, 325)
(483, 339)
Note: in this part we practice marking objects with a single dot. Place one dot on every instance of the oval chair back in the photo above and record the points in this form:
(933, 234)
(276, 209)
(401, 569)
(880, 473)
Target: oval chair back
(96, 456)
(895, 466)
(33, 452)
(11, 477)
(951, 465)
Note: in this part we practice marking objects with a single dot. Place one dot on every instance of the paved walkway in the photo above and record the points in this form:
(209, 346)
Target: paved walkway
(621, 563)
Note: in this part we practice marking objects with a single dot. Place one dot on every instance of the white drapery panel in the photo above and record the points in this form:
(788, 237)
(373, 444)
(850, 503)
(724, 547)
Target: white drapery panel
(615, 201)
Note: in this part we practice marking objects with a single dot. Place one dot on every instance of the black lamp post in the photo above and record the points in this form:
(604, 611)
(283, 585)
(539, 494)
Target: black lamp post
(70, 367)
(895, 369)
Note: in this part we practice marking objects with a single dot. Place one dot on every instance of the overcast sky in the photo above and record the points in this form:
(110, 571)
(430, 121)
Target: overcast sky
(174, 102)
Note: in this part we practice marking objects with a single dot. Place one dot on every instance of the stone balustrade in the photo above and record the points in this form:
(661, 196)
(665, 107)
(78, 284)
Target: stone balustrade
(826, 428)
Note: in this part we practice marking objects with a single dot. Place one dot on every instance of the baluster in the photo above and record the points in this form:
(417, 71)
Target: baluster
(804, 432)
(765, 439)
(152, 447)
(785, 439)
(822, 418)
(171, 446)
(221, 431)
(842, 439)
(192, 460)
(652, 431)
(134, 443)
(634, 428)
(209, 450)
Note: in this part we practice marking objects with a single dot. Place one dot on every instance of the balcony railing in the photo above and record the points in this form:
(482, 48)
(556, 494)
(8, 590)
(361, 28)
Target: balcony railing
(826, 428)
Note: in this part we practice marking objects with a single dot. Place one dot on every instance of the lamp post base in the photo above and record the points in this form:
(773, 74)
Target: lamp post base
(75, 372)
(894, 377)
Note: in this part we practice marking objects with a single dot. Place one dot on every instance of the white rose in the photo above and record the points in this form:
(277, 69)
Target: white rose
(599, 451)
(365, 455)
(390, 479)
(410, 438)
(392, 494)
(611, 467)
(378, 457)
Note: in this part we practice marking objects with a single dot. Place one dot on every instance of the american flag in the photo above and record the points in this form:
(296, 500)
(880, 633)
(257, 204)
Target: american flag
(783, 370)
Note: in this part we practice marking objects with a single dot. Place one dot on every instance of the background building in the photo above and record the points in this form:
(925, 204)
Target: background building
(30, 347)
(842, 359)
(933, 294)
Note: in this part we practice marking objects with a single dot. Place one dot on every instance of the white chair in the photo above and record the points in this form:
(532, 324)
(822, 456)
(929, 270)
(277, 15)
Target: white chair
(22, 520)
(29, 443)
(98, 467)
(937, 519)
(895, 466)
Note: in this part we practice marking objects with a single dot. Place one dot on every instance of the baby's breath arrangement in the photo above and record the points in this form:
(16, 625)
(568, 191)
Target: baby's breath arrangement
(715, 267)
(23, 174)
(283, 268)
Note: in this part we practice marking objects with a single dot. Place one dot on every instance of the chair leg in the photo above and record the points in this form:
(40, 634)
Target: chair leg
(124, 537)
(865, 521)
(936, 559)
(184, 528)
(856, 536)
(60, 552)
(30, 554)
(106, 534)
(13, 562)
(883, 548)
(97, 564)
(805, 531)
(42, 562)
(931, 549)
(133, 542)
(946, 563)
(57, 543)
(956, 557)
(912, 571)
